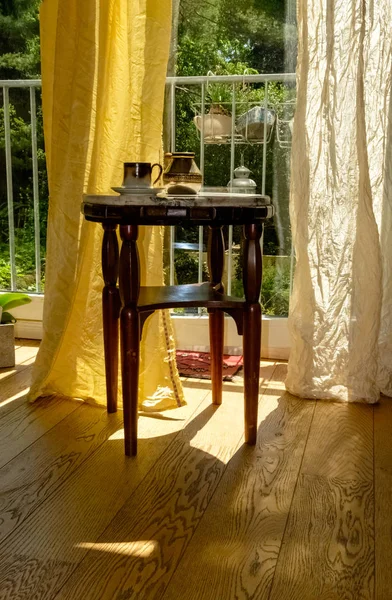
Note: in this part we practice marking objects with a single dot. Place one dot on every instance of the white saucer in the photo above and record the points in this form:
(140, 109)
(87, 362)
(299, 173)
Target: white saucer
(138, 191)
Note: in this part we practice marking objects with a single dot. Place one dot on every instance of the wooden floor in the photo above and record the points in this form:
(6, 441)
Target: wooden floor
(304, 515)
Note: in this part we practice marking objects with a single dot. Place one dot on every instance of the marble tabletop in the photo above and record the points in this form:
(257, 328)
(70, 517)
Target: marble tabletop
(162, 199)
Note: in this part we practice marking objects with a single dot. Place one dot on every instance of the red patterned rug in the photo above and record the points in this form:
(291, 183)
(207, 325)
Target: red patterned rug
(198, 364)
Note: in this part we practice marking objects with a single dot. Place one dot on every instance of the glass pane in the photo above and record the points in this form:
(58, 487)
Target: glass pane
(242, 38)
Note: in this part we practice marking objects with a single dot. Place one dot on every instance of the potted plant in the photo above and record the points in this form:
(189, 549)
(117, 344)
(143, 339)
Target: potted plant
(9, 301)
(253, 117)
(217, 122)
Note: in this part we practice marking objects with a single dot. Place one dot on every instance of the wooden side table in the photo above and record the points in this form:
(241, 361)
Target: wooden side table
(132, 304)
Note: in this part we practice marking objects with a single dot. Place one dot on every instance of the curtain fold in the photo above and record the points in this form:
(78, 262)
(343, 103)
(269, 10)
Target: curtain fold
(341, 202)
(103, 76)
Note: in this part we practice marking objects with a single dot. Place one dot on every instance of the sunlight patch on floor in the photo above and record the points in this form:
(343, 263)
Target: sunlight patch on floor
(5, 373)
(15, 397)
(141, 548)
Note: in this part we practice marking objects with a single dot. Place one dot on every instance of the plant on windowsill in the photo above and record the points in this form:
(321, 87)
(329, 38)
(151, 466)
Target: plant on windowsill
(217, 122)
(9, 301)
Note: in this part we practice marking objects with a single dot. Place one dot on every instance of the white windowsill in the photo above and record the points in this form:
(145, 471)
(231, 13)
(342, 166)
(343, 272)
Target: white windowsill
(191, 332)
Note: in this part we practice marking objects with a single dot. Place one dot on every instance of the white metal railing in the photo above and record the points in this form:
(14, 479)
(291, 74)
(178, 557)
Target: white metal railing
(31, 85)
(203, 82)
(174, 84)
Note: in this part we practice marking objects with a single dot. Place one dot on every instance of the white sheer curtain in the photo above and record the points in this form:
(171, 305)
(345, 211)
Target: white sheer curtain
(341, 202)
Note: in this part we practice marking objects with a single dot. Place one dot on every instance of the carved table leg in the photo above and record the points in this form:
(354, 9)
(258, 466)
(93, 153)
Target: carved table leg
(111, 312)
(130, 337)
(216, 317)
(252, 274)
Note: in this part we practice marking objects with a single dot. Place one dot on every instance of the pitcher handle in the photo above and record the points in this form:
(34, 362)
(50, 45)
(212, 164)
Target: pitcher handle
(160, 171)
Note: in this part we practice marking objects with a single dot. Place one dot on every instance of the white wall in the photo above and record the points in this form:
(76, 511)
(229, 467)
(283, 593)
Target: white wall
(191, 333)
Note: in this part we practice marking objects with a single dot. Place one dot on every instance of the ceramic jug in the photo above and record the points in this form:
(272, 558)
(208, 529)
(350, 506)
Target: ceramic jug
(181, 175)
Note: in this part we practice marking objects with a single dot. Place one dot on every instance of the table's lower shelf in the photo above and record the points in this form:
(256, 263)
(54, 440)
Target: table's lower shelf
(185, 296)
(139, 303)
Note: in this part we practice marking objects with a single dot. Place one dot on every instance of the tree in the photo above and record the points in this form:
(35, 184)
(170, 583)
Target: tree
(232, 37)
(19, 41)
(222, 36)
(20, 59)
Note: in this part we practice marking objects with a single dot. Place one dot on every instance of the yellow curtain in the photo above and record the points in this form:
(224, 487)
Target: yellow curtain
(103, 74)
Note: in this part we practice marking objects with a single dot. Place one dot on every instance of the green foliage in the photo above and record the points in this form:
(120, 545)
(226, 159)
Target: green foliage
(254, 32)
(25, 263)
(19, 40)
(228, 37)
(20, 59)
(220, 36)
(187, 268)
(10, 301)
(275, 291)
(13, 300)
(22, 180)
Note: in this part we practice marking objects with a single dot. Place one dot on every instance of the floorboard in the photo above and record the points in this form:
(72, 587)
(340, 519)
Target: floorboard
(304, 515)
(140, 550)
(46, 548)
(28, 422)
(328, 547)
(24, 356)
(383, 498)
(36, 473)
(234, 551)
(15, 381)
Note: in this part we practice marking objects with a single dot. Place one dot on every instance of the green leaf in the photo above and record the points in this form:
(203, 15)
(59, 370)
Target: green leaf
(13, 299)
(7, 318)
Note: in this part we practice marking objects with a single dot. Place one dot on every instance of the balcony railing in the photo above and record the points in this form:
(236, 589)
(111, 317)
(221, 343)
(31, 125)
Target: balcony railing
(31, 86)
(199, 89)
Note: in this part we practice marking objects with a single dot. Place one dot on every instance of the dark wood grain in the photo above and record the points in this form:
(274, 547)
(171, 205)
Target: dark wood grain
(130, 355)
(252, 263)
(110, 312)
(129, 212)
(177, 215)
(234, 551)
(28, 422)
(130, 334)
(40, 555)
(216, 256)
(383, 498)
(183, 296)
(137, 555)
(251, 365)
(129, 266)
(328, 547)
(216, 328)
(36, 473)
(252, 276)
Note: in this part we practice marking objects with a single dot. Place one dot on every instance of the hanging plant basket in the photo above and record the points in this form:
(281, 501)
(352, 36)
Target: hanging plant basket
(217, 125)
(256, 125)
